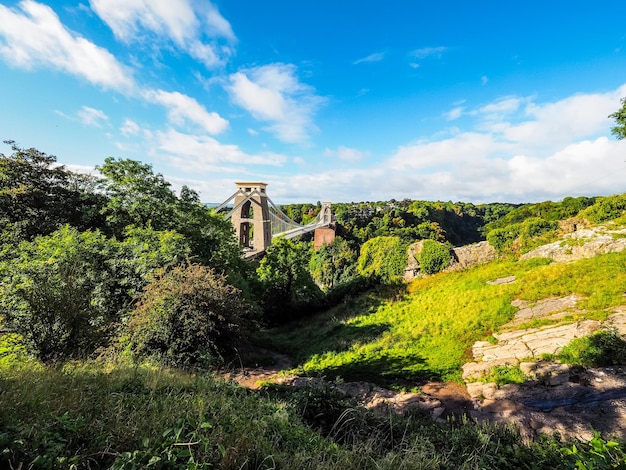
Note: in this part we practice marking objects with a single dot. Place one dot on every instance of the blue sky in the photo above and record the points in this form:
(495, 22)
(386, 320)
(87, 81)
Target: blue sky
(331, 101)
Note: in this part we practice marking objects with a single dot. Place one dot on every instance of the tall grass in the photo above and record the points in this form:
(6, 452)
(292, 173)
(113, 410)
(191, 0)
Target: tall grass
(428, 331)
(86, 416)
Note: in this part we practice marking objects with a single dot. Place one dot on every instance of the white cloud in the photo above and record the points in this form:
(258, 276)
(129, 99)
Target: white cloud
(130, 128)
(376, 57)
(273, 93)
(346, 154)
(203, 153)
(557, 124)
(484, 80)
(425, 52)
(192, 26)
(454, 113)
(34, 37)
(514, 161)
(182, 109)
(92, 117)
(501, 106)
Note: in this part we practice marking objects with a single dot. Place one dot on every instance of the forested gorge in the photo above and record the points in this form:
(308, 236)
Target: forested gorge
(121, 263)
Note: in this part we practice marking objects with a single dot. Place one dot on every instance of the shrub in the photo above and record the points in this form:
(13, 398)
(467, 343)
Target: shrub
(434, 257)
(604, 348)
(536, 226)
(188, 317)
(502, 238)
(56, 294)
(606, 208)
(287, 288)
(383, 258)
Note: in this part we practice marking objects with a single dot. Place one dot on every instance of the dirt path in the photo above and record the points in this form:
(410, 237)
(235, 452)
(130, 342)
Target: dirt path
(250, 377)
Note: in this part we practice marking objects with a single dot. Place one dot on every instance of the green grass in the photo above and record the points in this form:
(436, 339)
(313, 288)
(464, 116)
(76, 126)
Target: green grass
(426, 332)
(91, 416)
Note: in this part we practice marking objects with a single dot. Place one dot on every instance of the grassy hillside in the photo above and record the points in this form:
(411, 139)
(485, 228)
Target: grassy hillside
(426, 331)
(89, 416)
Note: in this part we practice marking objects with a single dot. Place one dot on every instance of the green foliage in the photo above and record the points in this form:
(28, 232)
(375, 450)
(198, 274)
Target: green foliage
(547, 210)
(86, 417)
(383, 258)
(604, 348)
(502, 238)
(596, 454)
(528, 234)
(536, 226)
(434, 257)
(137, 197)
(189, 316)
(57, 294)
(286, 283)
(427, 332)
(65, 292)
(505, 374)
(458, 223)
(333, 264)
(619, 130)
(37, 196)
(606, 208)
(142, 252)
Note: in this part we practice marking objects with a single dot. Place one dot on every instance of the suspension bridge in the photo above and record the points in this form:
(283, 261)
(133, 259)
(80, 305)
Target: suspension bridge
(257, 220)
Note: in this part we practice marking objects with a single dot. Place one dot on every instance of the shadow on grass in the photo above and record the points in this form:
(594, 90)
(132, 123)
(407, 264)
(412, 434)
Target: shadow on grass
(382, 370)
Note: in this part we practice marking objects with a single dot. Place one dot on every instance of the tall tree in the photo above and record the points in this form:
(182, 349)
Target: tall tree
(619, 130)
(38, 196)
(286, 281)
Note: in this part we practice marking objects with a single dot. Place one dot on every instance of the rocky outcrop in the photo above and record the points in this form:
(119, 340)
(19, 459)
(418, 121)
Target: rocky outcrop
(585, 243)
(470, 255)
(461, 257)
(512, 346)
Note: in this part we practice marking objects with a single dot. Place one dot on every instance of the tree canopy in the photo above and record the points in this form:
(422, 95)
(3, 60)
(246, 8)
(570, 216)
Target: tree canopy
(619, 130)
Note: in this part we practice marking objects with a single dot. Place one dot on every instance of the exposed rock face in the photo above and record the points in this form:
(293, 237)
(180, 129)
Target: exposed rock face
(469, 255)
(572, 402)
(513, 346)
(462, 257)
(585, 243)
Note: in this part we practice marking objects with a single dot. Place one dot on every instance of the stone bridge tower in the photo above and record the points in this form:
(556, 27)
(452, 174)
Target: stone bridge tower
(251, 218)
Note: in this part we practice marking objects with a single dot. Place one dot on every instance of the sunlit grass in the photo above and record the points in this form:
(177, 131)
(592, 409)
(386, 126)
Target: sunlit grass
(428, 332)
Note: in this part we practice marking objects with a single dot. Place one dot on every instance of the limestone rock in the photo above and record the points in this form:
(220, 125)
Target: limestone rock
(470, 255)
(475, 389)
(580, 244)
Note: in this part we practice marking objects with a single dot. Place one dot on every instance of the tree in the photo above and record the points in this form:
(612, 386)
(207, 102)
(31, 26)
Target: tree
(286, 283)
(140, 198)
(137, 196)
(55, 294)
(619, 130)
(37, 196)
(334, 264)
(189, 316)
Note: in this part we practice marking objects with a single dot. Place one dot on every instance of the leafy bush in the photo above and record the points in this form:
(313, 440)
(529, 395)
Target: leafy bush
(606, 208)
(333, 264)
(605, 348)
(188, 317)
(56, 294)
(536, 226)
(502, 238)
(434, 257)
(383, 258)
